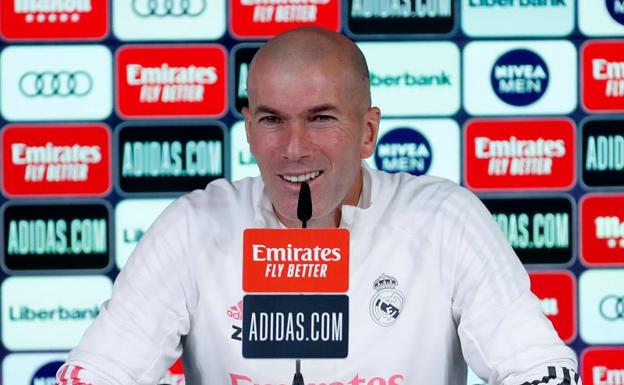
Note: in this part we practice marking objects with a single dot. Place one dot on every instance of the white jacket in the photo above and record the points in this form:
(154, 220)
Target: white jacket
(466, 296)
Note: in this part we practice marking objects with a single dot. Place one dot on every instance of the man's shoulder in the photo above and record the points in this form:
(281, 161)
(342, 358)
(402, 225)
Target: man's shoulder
(406, 188)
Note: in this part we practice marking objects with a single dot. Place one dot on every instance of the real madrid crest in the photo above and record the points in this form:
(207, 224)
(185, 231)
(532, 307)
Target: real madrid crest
(387, 304)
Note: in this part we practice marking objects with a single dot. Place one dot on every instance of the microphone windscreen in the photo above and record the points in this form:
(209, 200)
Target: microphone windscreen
(304, 205)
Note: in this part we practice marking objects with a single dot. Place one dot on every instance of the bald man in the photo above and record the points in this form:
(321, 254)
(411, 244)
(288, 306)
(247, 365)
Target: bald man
(433, 282)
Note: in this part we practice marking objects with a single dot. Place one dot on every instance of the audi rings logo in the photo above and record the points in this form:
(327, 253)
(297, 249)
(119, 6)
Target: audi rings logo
(162, 8)
(63, 83)
(612, 307)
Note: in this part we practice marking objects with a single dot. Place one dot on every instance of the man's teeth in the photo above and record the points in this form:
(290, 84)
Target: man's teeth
(302, 177)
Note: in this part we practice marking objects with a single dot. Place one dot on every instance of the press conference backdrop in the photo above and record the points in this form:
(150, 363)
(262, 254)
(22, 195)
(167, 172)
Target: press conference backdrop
(111, 109)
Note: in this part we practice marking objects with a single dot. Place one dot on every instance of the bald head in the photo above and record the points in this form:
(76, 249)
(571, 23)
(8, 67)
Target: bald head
(313, 46)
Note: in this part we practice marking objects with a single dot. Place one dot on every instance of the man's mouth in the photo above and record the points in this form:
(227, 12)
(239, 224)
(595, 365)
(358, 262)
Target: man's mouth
(307, 177)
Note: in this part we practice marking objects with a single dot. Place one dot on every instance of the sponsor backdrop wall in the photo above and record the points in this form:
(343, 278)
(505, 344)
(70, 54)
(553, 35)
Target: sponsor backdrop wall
(110, 109)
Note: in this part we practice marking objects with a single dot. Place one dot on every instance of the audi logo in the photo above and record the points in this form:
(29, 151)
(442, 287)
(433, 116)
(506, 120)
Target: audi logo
(612, 307)
(162, 8)
(63, 83)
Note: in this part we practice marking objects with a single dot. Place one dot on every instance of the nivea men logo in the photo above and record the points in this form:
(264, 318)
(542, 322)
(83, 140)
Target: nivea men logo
(295, 326)
(31, 368)
(46, 374)
(538, 229)
(243, 54)
(62, 83)
(163, 8)
(404, 149)
(56, 236)
(603, 153)
(616, 10)
(56, 82)
(175, 158)
(369, 17)
(50, 313)
(519, 77)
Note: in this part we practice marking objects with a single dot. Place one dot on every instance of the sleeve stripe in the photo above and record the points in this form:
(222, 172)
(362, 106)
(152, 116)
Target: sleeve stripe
(72, 378)
(564, 376)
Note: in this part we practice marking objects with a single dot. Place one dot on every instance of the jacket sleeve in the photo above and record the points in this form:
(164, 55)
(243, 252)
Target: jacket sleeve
(137, 334)
(505, 337)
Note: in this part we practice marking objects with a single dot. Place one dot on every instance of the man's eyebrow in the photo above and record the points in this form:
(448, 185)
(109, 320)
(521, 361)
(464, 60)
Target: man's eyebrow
(266, 110)
(323, 108)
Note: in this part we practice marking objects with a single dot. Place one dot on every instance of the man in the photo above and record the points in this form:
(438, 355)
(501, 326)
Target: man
(458, 291)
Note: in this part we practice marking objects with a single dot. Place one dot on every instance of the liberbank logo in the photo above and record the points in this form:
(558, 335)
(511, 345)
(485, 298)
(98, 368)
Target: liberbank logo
(55, 236)
(56, 82)
(50, 313)
(406, 17)
(171, 81)
(603, 76)
(132, 219)
(603, 153)
(538, 229)
(168, 19)
(602, 229)
(520, 154)
(53, 20)
(266, 18)
(168, 158)
(556, 293)
(242, 162)
(530, 77)
(51, 160)
(490, 18)
(423, 87)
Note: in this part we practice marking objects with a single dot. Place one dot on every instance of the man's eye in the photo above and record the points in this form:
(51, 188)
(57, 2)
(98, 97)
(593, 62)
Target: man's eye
(323, 118)
(269, 119)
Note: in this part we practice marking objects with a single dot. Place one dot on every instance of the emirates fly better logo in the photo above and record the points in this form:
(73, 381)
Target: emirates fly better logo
(265, 18)
(171, 81)
(54, 20)
(519, 154)
(603, 75)
(48, 160)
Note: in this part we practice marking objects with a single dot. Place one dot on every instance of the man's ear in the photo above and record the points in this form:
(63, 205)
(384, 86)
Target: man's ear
(371, 129)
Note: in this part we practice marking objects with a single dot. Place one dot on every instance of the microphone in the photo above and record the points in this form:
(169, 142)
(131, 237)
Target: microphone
(304, 213)
(304, 205)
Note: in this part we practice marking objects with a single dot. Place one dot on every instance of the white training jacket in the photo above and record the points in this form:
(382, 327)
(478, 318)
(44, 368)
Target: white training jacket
(465, 296)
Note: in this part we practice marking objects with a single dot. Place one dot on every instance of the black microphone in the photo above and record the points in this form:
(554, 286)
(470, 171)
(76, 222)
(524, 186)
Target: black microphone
(304, 205)
(304, 213)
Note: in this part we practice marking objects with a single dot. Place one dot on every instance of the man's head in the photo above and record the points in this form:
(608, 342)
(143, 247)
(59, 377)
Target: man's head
(310, 117)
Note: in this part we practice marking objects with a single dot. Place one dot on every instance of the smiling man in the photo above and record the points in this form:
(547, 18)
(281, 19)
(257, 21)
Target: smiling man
(433, 282)
(310, 118)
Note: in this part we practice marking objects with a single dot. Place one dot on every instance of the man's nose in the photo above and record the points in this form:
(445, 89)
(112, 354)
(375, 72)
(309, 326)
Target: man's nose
(297, 142)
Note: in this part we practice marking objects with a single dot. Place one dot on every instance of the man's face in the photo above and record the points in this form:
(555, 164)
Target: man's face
(304, 123)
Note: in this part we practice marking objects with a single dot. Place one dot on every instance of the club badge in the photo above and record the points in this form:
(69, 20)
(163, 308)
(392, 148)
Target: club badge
(387, 304)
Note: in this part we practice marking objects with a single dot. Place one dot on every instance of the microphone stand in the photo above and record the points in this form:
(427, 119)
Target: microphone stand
(304, 213)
